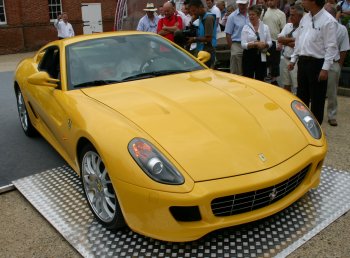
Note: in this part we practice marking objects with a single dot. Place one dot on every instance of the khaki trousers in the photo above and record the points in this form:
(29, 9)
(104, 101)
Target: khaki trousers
(332, 90)
(236, 58)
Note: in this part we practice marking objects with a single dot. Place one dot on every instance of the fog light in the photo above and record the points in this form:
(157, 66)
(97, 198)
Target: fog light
(186, 213)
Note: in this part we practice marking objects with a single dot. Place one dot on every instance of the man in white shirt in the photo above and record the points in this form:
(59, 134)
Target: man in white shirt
(161, 12)
(149, 21)
(335, 69)
(214, 10)
(64, 28)
(287, 39)
(221, 5)
(188, 17)
(315, 49)
(275, 19)
(262, 5)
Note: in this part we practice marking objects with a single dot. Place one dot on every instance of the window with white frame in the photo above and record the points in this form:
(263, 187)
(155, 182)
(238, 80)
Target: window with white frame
(55, 9)
(2, 12)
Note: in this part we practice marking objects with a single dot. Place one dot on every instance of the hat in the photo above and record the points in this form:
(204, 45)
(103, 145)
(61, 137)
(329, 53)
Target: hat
(150, 8)
(242, 2)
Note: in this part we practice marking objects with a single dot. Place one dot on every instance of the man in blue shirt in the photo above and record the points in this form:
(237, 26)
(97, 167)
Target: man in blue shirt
(233, 30)
(149, 21)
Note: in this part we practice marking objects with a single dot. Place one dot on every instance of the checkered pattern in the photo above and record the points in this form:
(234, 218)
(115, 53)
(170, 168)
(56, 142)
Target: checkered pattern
(58, 196)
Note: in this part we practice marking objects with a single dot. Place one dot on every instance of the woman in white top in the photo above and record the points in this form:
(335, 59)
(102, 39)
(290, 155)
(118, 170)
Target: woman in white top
(255, 40)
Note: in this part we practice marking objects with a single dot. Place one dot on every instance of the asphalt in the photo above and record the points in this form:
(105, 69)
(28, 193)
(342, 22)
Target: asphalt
(18, 151)
(25, 233)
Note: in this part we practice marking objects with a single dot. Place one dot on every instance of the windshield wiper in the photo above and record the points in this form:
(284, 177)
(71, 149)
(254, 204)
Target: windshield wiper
(95, 83)
(152, 74)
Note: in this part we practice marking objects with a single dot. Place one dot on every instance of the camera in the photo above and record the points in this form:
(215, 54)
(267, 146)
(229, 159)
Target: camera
(181, 36)
(190, 31)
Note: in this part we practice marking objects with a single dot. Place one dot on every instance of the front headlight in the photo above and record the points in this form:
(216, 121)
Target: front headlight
(307, 118)
(153, 163)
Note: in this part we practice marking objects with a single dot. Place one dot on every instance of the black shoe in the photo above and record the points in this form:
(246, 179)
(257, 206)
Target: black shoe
(332, 122)
(275, 83)
(268, 79)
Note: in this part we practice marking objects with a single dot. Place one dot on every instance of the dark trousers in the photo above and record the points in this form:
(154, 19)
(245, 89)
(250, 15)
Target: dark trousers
(252, 66)
(212, 53)
(273, 60)
(310, 89)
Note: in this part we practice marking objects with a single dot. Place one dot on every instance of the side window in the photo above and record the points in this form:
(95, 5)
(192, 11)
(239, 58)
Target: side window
(2, 12)
(50, 62)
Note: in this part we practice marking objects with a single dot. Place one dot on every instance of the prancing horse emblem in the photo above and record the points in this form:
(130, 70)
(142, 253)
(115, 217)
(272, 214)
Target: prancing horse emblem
(262, 157)
(273, 194)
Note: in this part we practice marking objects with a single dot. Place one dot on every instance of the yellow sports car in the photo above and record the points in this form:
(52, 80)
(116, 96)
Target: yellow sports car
(163, 144)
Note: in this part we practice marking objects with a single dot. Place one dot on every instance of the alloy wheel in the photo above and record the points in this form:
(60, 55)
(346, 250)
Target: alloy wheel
(98, 187)
(22, 111)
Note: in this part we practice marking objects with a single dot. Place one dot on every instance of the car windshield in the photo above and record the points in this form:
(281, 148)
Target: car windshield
(124, 58)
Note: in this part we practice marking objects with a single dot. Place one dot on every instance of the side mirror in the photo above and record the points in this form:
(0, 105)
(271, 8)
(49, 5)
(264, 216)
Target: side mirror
(203, 56)
(43, 79)
(39, 57)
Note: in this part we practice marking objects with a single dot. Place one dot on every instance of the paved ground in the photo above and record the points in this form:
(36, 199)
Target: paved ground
(25, 233)
(18, 151)
(9, 62)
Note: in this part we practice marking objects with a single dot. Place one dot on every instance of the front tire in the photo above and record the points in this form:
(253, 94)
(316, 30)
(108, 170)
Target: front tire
(24, 118)
(99, 190)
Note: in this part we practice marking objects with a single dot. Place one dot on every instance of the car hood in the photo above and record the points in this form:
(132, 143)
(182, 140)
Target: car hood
(213, 125)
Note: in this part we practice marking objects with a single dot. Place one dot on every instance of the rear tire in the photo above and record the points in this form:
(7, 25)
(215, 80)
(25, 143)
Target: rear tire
(24, 118)
(99, 190)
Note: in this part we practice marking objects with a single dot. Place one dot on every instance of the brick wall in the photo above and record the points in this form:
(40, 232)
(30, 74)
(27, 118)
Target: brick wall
(28, 23)
(13, 14)
(11, 40)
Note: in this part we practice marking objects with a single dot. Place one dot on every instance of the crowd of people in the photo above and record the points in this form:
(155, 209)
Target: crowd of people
(303, 43)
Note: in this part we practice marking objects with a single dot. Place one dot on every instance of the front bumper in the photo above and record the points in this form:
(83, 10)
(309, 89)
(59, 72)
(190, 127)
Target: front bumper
(147, 211)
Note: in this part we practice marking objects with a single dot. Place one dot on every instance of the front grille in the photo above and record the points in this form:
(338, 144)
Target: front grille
(244, 202)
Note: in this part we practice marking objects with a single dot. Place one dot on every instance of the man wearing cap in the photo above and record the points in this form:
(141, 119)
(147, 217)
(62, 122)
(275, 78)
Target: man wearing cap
(149, 21)
(233, 30)
(170, 23)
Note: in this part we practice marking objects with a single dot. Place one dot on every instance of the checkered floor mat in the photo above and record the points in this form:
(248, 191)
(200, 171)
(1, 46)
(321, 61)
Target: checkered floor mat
(57, 194)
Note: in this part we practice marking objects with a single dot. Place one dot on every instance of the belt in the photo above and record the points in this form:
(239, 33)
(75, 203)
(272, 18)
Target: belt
(335, 61)
(286, 57)
(236, 42)
(310, 58)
